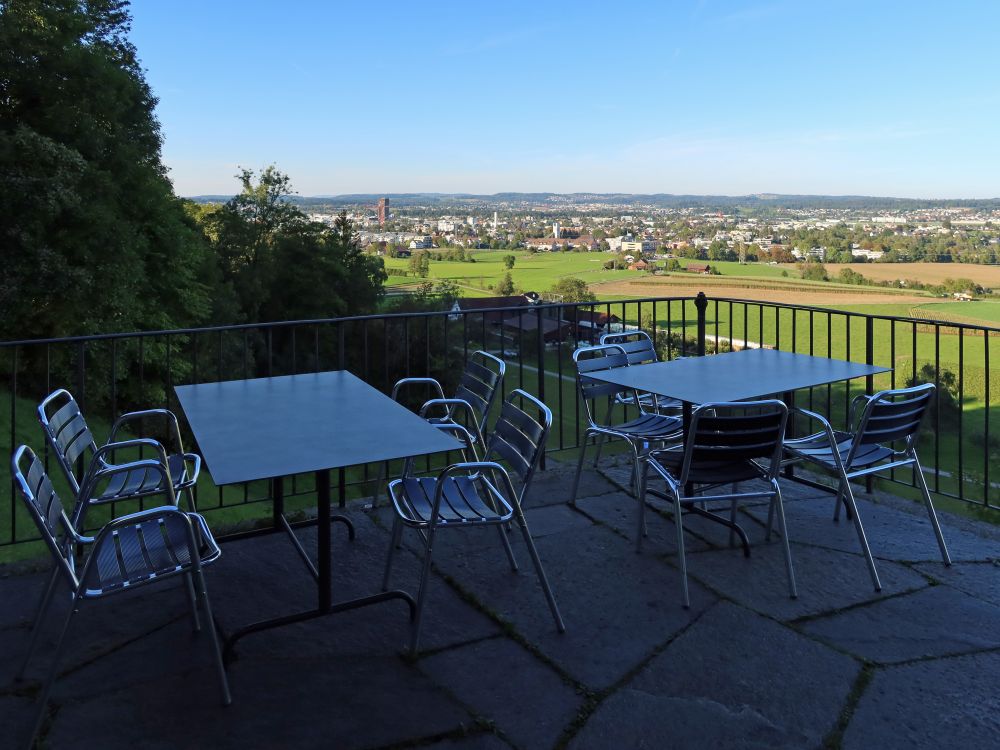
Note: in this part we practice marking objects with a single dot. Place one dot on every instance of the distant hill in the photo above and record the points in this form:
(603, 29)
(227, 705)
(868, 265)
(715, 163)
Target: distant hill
(760, 201)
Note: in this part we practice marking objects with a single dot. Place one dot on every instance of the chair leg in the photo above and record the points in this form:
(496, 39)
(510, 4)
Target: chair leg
(783, 530)
(502, 529)
(36, 624)
(641, 491)
(189, 494)
(537, 562)
(918, 470)
(600, 444)
(422, 590)
(199, 578)
(43, 699)
(732, 519)
(852, 507)
(192, 600)
(840, 500)
(679, 523)
(579, 469)
(770, 520)
(397, 533)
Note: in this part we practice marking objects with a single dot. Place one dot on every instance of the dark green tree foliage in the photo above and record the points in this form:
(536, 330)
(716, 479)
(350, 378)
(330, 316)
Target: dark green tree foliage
(282, 266)
(93, 238)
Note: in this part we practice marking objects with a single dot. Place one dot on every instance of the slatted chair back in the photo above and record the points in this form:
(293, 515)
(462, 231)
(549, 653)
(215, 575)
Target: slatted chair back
(594, 359)
(637, 345)
(67, 432)
(893, 415)
(480, 383)
(735, 432)
(518, 438)
(45, 509)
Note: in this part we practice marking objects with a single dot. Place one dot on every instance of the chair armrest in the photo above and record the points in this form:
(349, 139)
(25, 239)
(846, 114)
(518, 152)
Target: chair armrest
(859, 399)
(824, 423)
(134, 416)
(672, 482)
(110, 470)
(192, 479)
(450, 405)
(416, 381)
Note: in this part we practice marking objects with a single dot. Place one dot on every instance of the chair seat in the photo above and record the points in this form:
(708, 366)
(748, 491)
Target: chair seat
(146, 551)
(140, 482)
(817, 448)
(709, 472)
(647, 427)
(461, 503)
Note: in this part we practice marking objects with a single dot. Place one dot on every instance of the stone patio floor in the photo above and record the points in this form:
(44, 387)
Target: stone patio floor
(916, 666)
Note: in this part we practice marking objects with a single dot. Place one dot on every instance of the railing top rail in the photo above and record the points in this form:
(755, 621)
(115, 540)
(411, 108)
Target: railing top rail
(477, 311)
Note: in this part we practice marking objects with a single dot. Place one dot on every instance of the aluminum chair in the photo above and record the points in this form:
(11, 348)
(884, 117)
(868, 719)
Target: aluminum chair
(129, 552)
(725, 444)
(639, 349)
(641, 433)
(71, 440)
(481, 380)
(886, 418)
(476, 493)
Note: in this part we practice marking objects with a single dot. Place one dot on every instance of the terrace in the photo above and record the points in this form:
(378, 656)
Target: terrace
(745, 666)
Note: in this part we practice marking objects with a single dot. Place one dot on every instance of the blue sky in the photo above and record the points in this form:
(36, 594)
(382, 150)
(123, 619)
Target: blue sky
(873, 98)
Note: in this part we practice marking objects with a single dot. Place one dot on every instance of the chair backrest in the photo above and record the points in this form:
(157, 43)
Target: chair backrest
(66, 432)
(519, 437)
(893, 415)
(730, 432)
(45, 508)
(637, 345)
(594, 359)
(480, 383)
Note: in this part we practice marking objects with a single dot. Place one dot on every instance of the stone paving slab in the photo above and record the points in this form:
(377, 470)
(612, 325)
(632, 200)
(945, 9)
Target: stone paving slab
(277, 703)
(490, 676)
(635, 720)
(827, 580)
(981, 580)
(553, 485)
(936, 621)
(617, 605)
(472, 742)
(621, 513)
(893, 534)
(765, 676)
(930, 705)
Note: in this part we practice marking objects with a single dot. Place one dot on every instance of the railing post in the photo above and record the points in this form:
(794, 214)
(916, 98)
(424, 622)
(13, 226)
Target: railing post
(869, 379)
(701, 305)
(541, 365)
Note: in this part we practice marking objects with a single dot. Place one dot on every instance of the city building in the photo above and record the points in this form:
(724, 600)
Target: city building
(383, 207)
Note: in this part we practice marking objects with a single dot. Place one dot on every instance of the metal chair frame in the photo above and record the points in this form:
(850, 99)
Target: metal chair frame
(473, 400)
(727, 443)
(475, 493)
(70, 439)
(887, 417)
(641, 434)
(639, 348)
(131, 551)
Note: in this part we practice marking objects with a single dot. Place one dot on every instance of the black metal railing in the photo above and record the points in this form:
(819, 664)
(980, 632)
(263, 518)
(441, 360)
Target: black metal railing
(113, 372)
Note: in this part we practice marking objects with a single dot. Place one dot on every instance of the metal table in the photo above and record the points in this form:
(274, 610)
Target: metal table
(735, 376)
(270, 428)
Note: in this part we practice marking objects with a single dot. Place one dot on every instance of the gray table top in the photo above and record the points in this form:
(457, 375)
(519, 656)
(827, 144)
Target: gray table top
(271, 427)
(735, 376)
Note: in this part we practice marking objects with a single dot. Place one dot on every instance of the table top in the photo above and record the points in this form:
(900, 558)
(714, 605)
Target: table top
(735, 376)
(270, 427)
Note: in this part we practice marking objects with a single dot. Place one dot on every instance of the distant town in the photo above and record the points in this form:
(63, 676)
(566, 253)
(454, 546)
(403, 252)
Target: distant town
(796, 229)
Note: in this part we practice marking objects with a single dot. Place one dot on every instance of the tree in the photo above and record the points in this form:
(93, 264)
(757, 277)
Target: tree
(506, 286)
(420, 264)
(94, 240)
(813, 271)
(283, 266)
(508, 261)
(571, 289)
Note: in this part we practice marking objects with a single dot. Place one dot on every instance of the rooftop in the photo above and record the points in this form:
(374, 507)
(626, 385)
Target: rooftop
(915, 666)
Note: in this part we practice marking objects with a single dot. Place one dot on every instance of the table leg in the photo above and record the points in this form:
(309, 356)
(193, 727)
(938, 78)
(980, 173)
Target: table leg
(686, 412)
(323, 538)
(789, 398)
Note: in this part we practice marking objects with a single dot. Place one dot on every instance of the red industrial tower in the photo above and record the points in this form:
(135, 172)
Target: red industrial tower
(383, 205)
